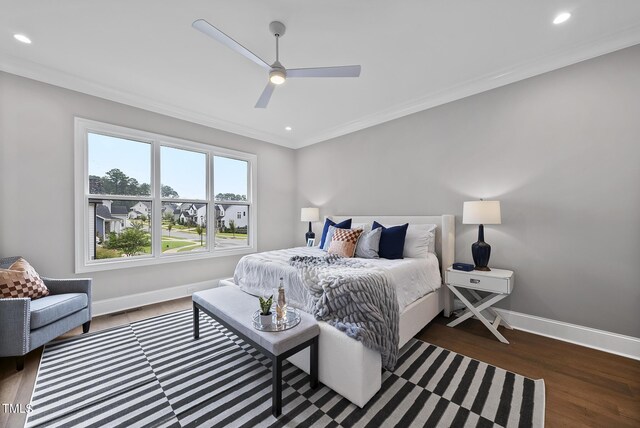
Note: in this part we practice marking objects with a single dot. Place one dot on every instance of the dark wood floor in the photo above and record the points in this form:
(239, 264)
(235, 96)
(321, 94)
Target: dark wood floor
(584, 387)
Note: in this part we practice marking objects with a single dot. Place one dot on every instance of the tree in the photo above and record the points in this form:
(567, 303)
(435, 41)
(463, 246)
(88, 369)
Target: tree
(133, 187)
(116, 182)
(232, 227)
(95, 185)
(171, 221)
(131, 241)
(168, 192)
(230, 197)
(200, 230)
(144, 189)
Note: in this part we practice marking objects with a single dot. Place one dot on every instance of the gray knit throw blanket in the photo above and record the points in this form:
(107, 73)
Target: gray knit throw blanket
(354, 298)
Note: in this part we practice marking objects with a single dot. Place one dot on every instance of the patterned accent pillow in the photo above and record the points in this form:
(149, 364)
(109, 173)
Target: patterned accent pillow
(344, 242)
(21, 280)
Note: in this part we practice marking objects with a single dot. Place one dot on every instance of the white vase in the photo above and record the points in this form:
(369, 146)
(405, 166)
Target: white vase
(266, 320)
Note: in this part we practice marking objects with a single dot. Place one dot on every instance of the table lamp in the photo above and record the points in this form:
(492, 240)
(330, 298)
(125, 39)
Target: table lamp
(310, 215)
(481, 213)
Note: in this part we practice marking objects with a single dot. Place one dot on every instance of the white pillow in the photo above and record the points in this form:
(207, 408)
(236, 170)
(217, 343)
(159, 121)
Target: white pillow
(432, 241)
(366, 227)
(420, 240)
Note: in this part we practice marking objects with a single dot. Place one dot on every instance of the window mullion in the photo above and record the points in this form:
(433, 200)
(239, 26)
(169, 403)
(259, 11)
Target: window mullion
(156, 204)
(211, 209)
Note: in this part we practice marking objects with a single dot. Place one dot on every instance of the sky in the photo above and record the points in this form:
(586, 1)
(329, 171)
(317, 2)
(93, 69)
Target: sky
(183, 170)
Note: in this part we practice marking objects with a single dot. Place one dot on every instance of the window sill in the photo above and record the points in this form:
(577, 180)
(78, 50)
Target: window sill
(115, 264)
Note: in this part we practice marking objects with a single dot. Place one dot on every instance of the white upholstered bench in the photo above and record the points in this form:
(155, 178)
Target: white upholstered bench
(233, 308)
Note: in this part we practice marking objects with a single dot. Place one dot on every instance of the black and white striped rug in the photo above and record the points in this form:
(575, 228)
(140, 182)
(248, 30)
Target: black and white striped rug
(152, 373)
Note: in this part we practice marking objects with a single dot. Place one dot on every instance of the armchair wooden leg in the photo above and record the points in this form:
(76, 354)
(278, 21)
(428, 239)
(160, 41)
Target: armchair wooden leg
(86, 326)
(20, 363)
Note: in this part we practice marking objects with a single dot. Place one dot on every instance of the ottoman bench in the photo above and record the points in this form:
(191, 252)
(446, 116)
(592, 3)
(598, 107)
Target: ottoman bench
(233, 308)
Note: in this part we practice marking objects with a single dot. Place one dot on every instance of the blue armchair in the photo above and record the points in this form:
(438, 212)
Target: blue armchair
(28, 324)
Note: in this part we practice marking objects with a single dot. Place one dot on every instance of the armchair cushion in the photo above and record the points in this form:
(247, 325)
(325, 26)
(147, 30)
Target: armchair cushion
(73, 285)
(48, 309)
(21, 280)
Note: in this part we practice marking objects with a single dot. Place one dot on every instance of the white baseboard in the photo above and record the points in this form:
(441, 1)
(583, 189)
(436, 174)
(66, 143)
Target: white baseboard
(619, 344)
(118, 304)
(614, 343)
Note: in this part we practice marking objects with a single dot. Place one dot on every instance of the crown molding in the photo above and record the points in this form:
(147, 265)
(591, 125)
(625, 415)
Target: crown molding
(563, 58)
(39, 72)
(559, 59)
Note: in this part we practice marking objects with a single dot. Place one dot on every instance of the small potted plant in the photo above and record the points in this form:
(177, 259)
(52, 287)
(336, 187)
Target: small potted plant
(265, 311)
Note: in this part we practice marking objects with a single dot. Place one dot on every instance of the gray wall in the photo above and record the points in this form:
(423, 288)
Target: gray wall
(562, 153)
(36, 185)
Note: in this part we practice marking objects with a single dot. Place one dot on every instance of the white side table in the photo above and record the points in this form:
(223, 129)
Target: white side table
(497, 282)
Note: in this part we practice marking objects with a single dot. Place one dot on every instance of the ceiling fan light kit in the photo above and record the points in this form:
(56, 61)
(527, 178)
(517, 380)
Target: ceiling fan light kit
(278, 74)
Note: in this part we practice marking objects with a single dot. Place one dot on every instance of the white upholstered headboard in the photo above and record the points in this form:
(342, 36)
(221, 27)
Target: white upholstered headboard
(445, 239)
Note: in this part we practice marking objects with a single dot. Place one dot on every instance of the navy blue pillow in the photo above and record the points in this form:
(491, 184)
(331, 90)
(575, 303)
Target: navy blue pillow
(391, 240)
(346, 224)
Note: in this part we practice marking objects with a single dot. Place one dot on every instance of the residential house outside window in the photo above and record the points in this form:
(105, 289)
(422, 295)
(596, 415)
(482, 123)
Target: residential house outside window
(144, 198)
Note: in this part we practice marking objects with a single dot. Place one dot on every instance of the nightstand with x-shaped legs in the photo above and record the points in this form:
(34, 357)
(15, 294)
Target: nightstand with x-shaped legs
(498, 283)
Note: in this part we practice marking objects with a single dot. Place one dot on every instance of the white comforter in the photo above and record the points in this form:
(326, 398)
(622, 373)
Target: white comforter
(259, 274)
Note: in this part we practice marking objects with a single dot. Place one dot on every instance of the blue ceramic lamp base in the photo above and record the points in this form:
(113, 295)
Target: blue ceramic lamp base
(481, 251)
(309, 234)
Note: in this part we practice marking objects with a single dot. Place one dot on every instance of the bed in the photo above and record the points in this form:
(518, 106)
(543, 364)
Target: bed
(346, 365)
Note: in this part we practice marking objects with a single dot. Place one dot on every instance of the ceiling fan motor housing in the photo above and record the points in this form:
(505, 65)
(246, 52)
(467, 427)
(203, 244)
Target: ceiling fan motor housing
(277, 28)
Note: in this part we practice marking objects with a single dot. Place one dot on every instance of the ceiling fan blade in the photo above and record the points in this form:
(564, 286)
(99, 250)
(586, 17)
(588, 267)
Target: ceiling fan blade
(211, 31)
(339, 71)
(266, 96)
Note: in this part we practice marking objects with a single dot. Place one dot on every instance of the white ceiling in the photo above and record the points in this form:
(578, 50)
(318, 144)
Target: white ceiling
(414, 54)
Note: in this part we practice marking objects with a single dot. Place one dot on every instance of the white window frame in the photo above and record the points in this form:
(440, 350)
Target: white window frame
(83, 262)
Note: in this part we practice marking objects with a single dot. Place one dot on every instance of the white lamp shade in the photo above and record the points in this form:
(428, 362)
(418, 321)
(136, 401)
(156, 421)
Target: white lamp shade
(309, 214)
(481, 212)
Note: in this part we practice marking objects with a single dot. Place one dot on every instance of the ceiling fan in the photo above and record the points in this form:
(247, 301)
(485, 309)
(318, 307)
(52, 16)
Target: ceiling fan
(277, 72)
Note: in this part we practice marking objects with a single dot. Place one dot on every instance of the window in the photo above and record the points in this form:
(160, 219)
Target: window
(144, 198)
(230, 189)
(183, 176)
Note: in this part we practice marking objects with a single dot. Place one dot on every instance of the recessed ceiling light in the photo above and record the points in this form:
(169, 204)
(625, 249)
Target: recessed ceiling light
(562, 17)
(287, 128)
(22, 38)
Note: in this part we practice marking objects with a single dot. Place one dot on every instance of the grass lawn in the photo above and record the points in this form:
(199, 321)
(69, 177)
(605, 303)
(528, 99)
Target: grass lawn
(180, 227)
(168, 244)
(231, 236)
(183, 229)
(190, 248)
(104, 253)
